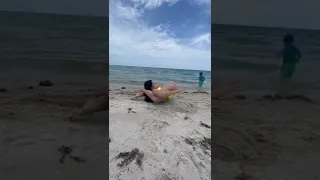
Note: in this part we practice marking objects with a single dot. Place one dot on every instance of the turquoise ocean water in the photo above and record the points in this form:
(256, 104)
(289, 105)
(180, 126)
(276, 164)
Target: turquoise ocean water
(134, 77)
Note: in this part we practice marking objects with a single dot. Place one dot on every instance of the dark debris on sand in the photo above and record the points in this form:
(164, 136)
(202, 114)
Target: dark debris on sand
(66, 151)
(204, 125)
(45, 83)
(27, 88)
(78, 159)
(139, 159)
(128, 157)
(278, 97)
(240, 97)
(3, 90)
(190, 141)
(199, 92)
(204, 144)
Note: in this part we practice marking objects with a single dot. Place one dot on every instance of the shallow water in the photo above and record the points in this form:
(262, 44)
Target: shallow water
(135, 77)
(247, 55)
(62, 48)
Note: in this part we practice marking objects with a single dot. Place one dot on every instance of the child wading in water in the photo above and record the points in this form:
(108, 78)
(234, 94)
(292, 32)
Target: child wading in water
(201, 80)
(290, 57)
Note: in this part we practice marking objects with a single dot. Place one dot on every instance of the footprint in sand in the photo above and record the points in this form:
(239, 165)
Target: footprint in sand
(152, 125)
(19, 140)
(75, 116)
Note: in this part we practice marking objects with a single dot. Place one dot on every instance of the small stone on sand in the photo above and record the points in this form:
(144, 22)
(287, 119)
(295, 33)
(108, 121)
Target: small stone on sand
(3, 90)
(45, 83)
(242, 97)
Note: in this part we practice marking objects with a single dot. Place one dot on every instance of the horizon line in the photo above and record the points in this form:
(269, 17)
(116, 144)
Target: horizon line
(158, 67)
(107, 16)
(53, 13)
(262, 26)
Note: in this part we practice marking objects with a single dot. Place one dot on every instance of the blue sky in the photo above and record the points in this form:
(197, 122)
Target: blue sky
(160, 33)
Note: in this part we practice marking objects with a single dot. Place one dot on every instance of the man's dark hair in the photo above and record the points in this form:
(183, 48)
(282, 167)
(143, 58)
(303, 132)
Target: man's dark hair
(148, 86)
(200, 73)
(288, 38)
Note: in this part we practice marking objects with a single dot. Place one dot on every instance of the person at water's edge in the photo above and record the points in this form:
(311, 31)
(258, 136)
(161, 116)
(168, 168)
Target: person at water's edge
(153, 93)
(201, 80)
(290, 58)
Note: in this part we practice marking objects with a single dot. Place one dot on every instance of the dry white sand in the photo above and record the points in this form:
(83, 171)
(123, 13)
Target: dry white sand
(169, 140)
(32, 126)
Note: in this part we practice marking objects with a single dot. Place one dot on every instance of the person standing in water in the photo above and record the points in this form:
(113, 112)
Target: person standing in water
(201, 80)
(290, 57)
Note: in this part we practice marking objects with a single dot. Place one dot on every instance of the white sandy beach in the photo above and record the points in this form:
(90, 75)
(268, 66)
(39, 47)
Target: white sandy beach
(253, 137)
(168, 138)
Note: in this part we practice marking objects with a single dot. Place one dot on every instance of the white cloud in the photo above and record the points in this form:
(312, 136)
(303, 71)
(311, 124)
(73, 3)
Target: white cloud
(206, 2)
(151, 4)
(202, 39)
(117, 10)
(132, 42)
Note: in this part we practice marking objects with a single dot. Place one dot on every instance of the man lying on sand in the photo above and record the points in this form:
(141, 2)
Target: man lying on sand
(100, 103)
(154, 93)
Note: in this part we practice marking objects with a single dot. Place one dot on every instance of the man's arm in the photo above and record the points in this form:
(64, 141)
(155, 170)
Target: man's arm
(139, 94)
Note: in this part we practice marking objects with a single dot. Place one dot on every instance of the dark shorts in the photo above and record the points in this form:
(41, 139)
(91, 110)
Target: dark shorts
(287, 70)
